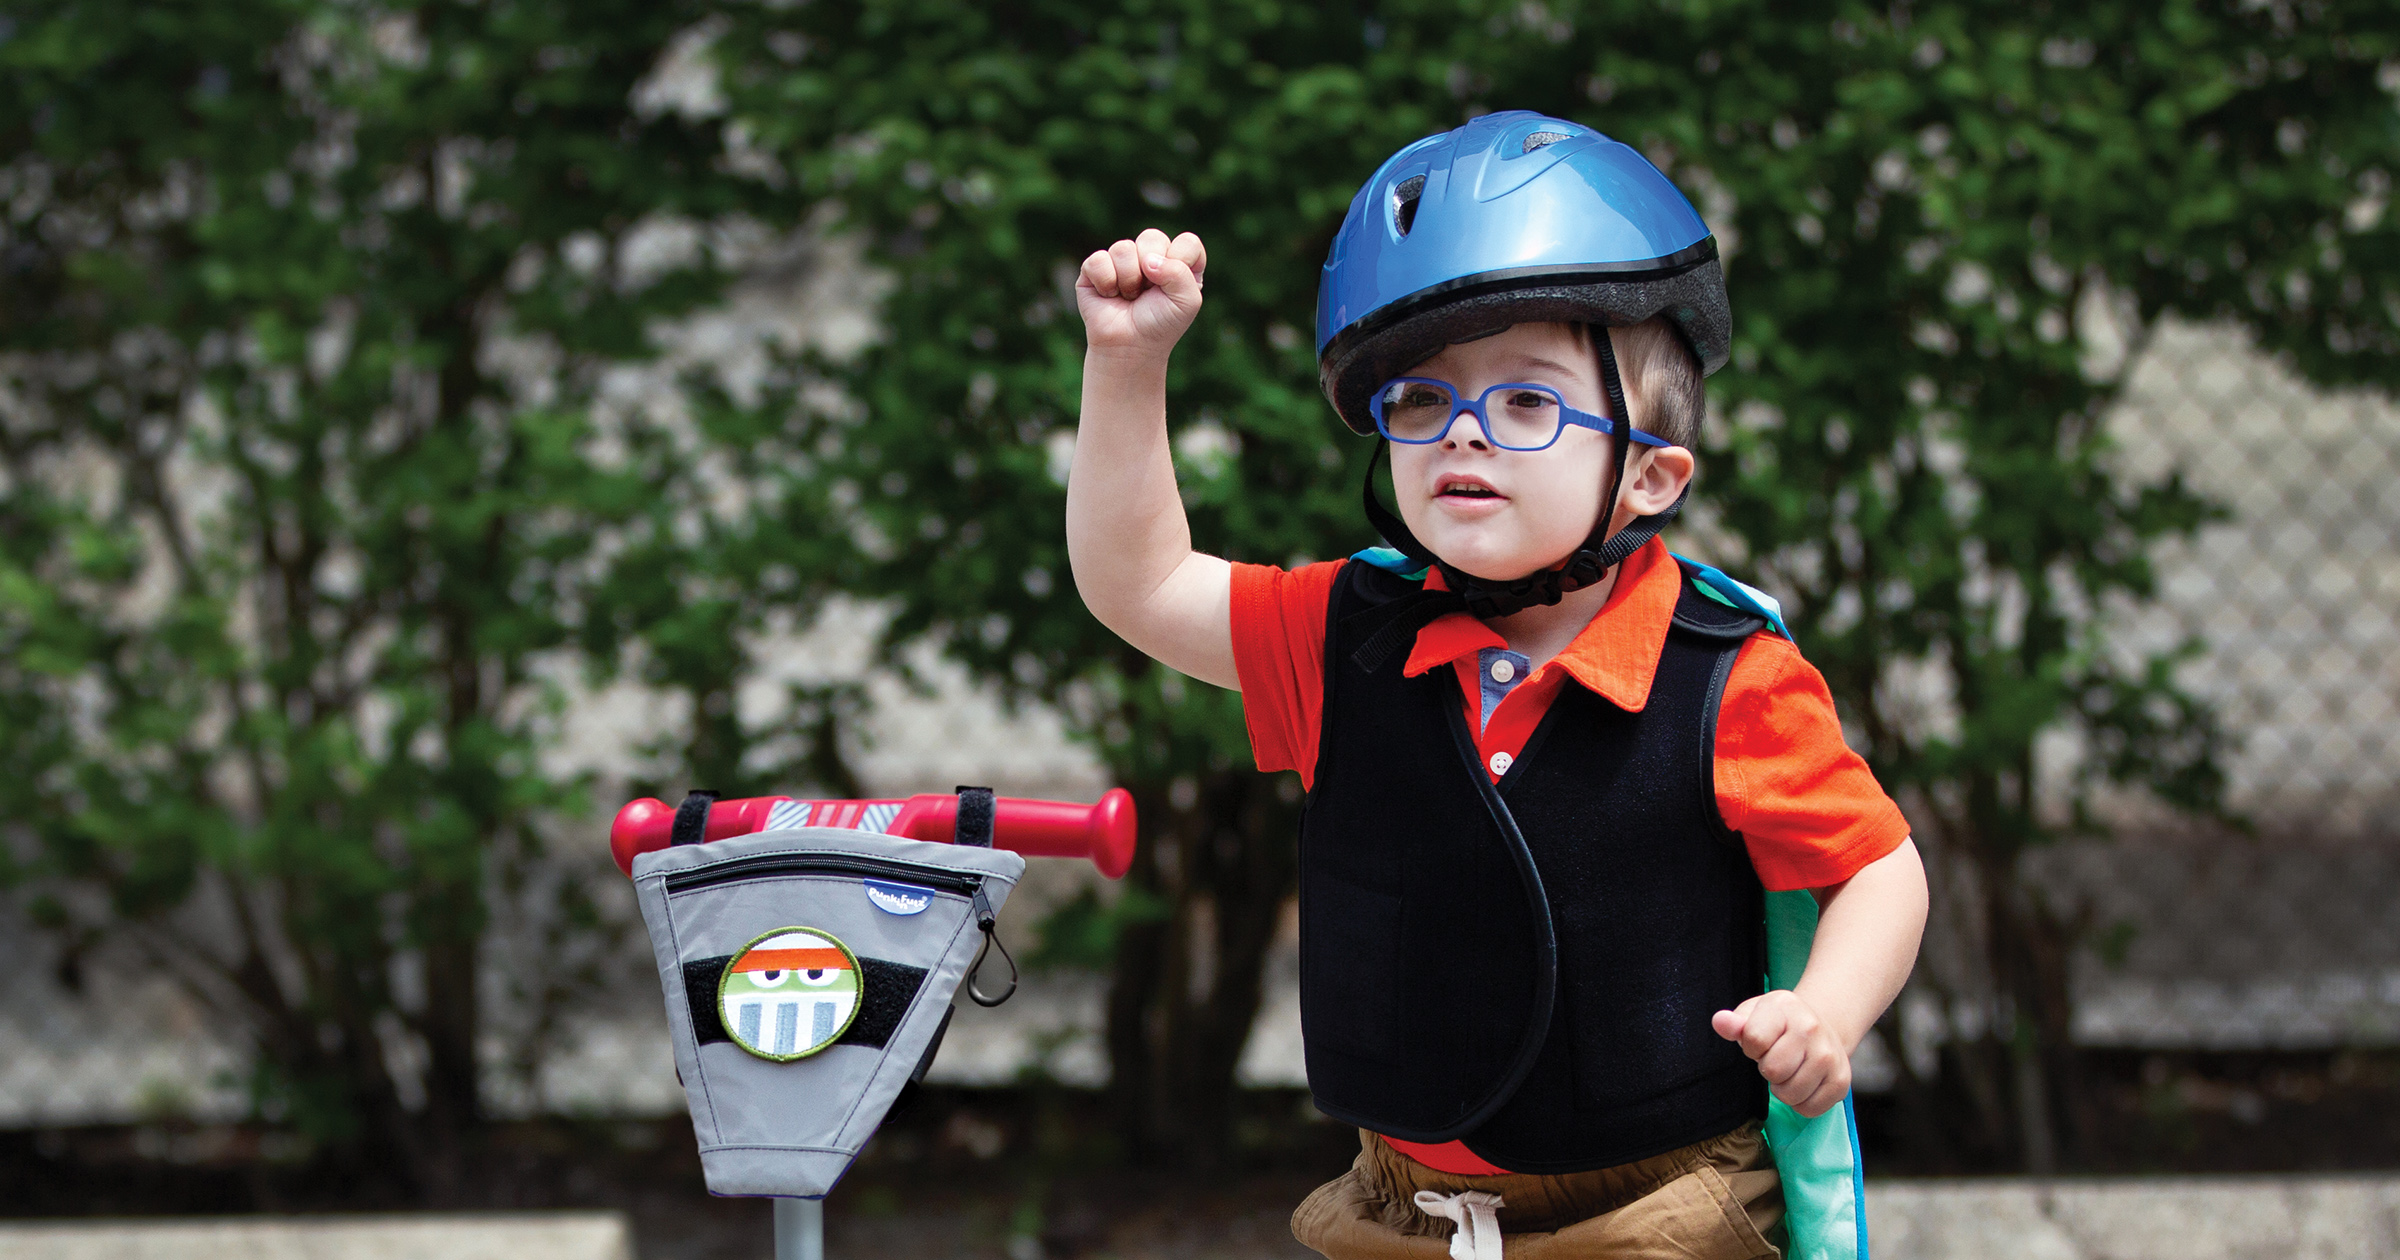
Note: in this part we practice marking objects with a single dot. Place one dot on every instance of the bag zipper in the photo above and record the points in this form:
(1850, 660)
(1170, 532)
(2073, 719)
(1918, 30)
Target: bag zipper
(765, 865)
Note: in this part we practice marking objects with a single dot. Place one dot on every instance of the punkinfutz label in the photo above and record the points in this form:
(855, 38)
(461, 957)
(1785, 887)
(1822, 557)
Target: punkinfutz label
(898, 898)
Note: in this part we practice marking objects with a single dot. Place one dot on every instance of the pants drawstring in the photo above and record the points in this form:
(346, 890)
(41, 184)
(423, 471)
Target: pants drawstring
(1477, 1215)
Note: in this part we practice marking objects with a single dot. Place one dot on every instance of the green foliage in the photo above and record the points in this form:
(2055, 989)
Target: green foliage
(310, 500)
(1927, 206)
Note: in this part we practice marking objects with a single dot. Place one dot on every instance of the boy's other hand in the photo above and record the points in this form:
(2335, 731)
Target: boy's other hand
(1141, 294)
(1800, 1055)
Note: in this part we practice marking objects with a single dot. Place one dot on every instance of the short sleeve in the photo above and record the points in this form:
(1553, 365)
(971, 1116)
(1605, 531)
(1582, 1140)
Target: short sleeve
(1807, 807)
(1279, 657)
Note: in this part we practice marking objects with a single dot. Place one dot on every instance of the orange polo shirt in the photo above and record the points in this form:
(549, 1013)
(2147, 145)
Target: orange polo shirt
(1808, 810)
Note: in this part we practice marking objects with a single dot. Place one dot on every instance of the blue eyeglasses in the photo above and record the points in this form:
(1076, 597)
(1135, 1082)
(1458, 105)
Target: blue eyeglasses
(1418, 411)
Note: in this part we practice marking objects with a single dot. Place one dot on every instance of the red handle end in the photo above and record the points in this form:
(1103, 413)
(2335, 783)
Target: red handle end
(1110, 833)
(643, 826)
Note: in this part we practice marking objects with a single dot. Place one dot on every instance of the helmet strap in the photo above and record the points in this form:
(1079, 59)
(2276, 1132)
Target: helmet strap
(1591, 562)
(1609, 552)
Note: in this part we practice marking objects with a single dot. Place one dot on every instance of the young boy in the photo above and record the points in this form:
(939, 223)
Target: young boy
(1554, 773)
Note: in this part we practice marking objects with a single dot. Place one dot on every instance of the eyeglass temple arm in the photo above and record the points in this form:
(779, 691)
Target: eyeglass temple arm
(1605, 425)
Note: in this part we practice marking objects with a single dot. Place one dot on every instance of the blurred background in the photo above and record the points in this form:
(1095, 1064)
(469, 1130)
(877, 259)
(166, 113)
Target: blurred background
(424, 428)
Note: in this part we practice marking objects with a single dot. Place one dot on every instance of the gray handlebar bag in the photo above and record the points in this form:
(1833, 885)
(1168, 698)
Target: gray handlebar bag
(808, 975)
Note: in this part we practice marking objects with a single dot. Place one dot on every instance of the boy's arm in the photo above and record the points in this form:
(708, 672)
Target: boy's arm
(1127, 539)
(1868, 928)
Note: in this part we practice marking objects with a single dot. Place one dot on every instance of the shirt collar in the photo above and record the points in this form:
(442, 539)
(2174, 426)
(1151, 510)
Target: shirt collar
(1615, 656)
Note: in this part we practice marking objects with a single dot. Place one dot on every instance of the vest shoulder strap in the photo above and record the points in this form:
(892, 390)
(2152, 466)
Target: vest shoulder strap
(1713, 623)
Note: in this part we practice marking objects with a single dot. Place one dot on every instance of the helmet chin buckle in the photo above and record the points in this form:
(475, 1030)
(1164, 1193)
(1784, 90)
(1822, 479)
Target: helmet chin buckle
(1539, 589)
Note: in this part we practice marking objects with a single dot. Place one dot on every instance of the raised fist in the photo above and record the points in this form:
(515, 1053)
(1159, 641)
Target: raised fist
(1140, 295)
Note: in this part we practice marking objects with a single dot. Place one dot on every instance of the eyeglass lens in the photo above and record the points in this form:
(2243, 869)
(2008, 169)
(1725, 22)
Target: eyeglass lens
(1519, 417)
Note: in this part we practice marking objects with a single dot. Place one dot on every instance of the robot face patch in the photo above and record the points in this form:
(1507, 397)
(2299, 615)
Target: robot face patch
(789, 993)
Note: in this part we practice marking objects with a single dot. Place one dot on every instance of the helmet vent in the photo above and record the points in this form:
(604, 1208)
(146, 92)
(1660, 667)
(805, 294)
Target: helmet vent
(1405, 195)
(1541, 139)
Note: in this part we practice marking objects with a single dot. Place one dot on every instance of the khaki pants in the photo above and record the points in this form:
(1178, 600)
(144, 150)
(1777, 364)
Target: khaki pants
(1715, 1200)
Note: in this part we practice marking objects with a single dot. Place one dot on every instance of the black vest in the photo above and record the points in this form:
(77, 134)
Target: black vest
(1530, 967)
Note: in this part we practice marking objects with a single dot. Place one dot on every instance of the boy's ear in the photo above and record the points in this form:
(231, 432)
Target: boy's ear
(1658, 480)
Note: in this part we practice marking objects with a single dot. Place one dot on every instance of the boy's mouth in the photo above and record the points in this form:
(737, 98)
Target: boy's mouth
(1465, 488)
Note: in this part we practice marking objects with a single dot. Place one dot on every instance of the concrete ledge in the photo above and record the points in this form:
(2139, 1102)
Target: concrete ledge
(2165, 1218)
(478, 1236)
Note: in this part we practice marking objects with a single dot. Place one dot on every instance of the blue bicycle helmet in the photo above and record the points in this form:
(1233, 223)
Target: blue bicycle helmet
(1513, 218)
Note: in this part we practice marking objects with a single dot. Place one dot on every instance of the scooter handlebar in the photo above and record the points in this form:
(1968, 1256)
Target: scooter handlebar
(1102, 831)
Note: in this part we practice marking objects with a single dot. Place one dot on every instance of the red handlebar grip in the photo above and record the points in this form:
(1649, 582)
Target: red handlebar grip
(1102, 831)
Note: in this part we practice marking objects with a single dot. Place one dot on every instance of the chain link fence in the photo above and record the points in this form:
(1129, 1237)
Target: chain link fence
(2279, 934)
(2297, 595)
(2272, 930)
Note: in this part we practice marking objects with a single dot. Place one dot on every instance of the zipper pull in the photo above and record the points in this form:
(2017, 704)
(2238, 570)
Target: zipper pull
(989, 920)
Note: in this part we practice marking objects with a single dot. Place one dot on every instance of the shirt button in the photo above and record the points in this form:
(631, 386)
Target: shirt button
(1502, 670)
(1501, 762)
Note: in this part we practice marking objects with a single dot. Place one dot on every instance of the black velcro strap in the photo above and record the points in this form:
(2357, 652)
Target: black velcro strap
(886, 991)
(976, 807)
(691, 817)
(701, 977)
